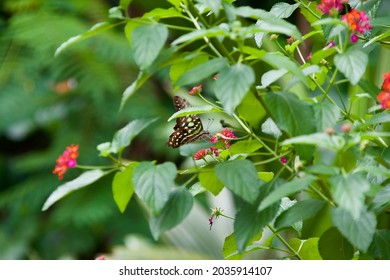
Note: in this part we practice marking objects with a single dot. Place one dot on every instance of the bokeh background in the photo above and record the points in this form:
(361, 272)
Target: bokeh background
(48, 103)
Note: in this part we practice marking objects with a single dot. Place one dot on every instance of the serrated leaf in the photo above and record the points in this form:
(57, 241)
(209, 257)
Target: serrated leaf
(352, 64)
(122, 186)
(286, 189)
(359, 232)
(269, 127)
(381, 200)
(283, 10)
(82, 181)
(348, 192)
(232, 85)
(210, 182)
(240, 176)
(333, 246)
(202, 71)
(154, 183)
(124, 136)
(147, 41)
(195, 111)
(248, 223)
(300, 211)
(94, 30)
(176, 209)
(160, 13)
(245, 147)
(326, 115)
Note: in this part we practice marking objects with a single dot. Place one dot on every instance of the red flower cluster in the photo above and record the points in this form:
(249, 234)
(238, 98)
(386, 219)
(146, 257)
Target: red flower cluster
(384, 96)
(66, 160)
(225, 136)
(358, 22)
(331, 7)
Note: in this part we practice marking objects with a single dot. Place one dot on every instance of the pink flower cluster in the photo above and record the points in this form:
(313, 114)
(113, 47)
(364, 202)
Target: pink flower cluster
(358, 22)
(66, 160)
(331, 7)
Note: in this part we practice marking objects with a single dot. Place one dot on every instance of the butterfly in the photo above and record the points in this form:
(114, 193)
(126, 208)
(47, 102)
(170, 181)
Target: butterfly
(188, 129)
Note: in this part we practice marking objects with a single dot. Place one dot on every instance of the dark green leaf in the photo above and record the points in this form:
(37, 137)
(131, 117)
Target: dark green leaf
(122, 186)
(369, 87)
(153, 184)
(359, 232)
(348, 192)
(147, 42)
(230, 250)
(202, 71)
(130, 90)
(249, 105)
(240, 176)
(333, 246)
(300, 211)
(380, 247)
(180, 68)
(176, 209)
(286, 189)
(326, 115)
(232, 85)
(352, 64)
(82, 181)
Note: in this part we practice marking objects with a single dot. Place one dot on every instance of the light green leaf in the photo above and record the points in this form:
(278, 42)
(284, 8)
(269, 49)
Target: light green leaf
(147, 41)
(124, 136)
(213, 5)
(333, 246)
(326, 115)
(245, 147)
(348, 192)
(352, 64)
(359, 232)
(283, 10)
(210, 182)
(82, 181)
(94, 30)
(160, 13)
(130, 90)
(200, 34)
(202, 71)
(382, 117)
(122, 186)
(307, 249)
(265, 176)
(249, 105)
(240, 176)
(381, 200)
(232, 85)
(176, 209)
(180, 68)
(154, 183)
(286, 189)
(194, 111)
(377, 38)
(271, 76)
(269, 127)
(300, 211)
(230, 250)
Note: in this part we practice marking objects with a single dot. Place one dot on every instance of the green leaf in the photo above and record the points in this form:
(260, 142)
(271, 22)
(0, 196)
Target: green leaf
(369, 87)
(359, 232)
(269, 127)
(326, 115)
(180, 68)
(115, 12)
(160, 13)
(272, 76)
(147, 41)
(249, 222)
(300, 211)
(352, 64)
(307, 249)
(380, 247)
(377, 38)
(270, 20)
(333, 142)
(381, 200)
(124, 136)
(154, 183)
(94, 30)
(249, 105)
(210, 182)
(195, 111)
(240, 176)
(348, 192)
(202, 71)
(232, 85)
(230, 250)
(286, 189)
(122, 186)
(283, 10)
(265, 176)
(82, 181)
(213, 5)
(280, 61)
(176, 209)
(245, 147)
(130, 90)
(382, 117)
(200, 34)
(124, 4)
(333, 246)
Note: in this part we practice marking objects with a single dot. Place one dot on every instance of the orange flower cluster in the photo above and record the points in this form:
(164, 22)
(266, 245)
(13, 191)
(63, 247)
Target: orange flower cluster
(384, 96)
(66, 160)
(358, 22)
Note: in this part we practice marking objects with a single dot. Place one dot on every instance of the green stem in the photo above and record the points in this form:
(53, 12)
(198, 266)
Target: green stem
(288, 246)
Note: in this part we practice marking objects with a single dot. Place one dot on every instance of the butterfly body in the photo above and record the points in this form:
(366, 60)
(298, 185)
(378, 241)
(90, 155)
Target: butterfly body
(188, 129)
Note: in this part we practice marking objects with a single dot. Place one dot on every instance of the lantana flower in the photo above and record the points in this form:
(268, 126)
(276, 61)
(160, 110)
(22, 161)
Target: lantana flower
(195, 90)
(66, 160)
(331, 7)
(358, 22)
(384, 96)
